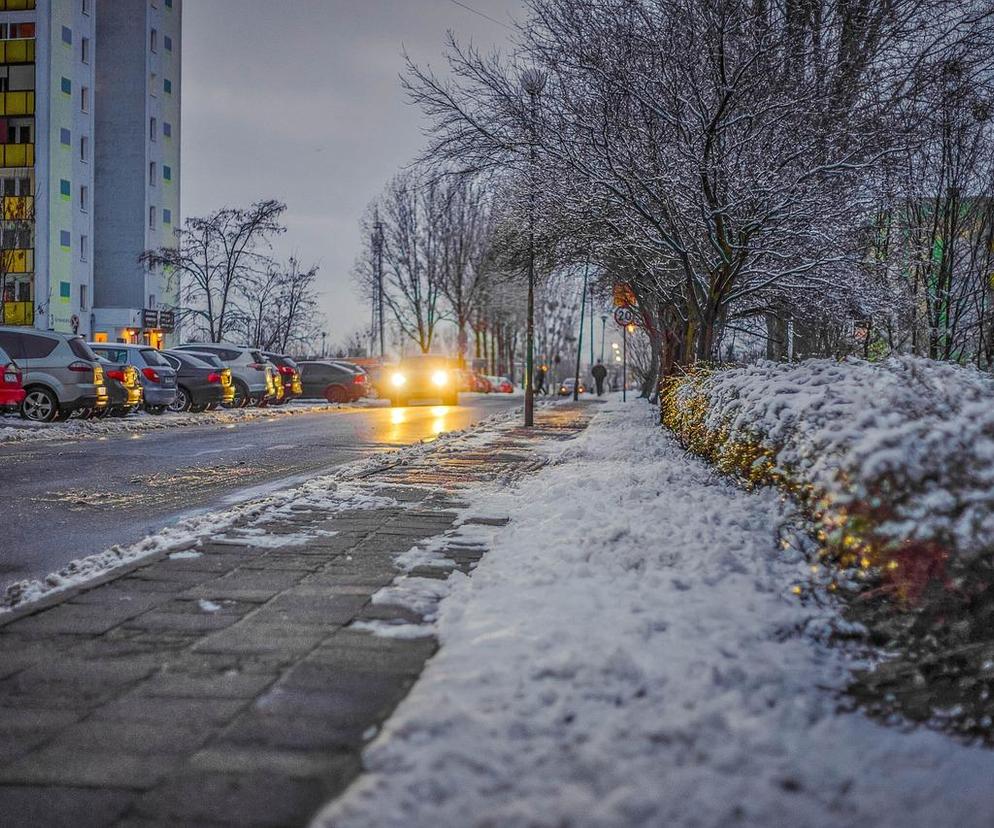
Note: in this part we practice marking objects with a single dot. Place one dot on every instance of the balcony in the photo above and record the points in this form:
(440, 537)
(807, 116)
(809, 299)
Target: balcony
(18, 261)
(17, 51)
(18, 313)
(18, 208)
(17, 5)
(17, 103)
(17, 155)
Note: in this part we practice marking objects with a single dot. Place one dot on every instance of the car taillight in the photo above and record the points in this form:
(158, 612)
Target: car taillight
(81, 367)
(359, 379)
(11, 374)
(286, 369)
(151, 375)
(213, 377)
(115, 374)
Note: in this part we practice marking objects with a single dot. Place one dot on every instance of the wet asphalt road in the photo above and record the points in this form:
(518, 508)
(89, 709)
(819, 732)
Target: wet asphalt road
(64, 500)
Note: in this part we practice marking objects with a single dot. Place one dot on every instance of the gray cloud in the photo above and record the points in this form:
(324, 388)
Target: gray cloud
(300, 100)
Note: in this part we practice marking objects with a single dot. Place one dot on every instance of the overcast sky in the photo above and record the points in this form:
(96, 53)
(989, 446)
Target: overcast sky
(301, 101)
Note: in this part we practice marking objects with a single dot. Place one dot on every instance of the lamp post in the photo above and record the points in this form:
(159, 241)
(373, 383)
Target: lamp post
(532, 82)
(324, 336)
(378, 250)
(603, 333)
(579, 344)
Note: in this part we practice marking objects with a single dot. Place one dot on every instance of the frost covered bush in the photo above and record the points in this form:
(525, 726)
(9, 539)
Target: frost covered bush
(894, 459)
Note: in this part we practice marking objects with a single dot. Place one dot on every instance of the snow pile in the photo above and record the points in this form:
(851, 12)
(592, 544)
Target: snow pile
(630, 653)
(13, 429)
(896, 457)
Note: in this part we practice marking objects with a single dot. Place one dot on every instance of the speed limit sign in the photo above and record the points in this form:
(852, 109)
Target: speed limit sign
(624, 316)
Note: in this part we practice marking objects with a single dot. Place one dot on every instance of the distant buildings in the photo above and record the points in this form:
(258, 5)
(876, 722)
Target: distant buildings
(89, 163)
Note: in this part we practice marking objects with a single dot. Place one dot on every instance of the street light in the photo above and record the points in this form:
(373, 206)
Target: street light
(532, 82)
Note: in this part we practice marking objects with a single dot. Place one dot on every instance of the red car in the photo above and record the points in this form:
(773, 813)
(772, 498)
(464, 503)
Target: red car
(11, 390)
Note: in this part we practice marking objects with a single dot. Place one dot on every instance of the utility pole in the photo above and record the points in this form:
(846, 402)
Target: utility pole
(533, 82)
(591, 319)
(624, 363)
(603, 334)
(579, 343)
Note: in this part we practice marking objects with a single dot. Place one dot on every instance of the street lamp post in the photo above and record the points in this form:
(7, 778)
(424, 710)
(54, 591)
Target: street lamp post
(603, 333)
(579, 344)
(378, 247)
(324, 336)
(532, 82)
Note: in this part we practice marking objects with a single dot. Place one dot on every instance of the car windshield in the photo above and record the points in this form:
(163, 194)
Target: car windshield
(80, 349)
(153, 357)
(424, 362)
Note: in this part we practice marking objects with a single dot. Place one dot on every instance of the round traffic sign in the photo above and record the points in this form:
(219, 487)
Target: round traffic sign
(624, 316)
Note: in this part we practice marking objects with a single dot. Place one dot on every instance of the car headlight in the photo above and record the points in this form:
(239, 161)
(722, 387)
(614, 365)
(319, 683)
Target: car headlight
(440, 378)
(398, 380)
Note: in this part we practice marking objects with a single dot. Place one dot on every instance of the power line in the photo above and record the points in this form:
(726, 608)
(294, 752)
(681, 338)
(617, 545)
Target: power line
(481, 14)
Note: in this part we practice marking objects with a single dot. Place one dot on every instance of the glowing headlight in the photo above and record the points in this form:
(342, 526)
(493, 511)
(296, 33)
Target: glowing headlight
(440, 378)
(398, 380)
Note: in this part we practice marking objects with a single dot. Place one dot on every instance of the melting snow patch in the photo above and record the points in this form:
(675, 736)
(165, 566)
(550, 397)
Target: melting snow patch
(208, 606)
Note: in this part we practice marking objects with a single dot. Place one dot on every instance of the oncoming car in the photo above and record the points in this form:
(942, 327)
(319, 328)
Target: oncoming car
(423, 377)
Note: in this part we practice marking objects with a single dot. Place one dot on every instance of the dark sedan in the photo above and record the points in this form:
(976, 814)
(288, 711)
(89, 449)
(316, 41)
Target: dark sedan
(198, 384)
(331, 382)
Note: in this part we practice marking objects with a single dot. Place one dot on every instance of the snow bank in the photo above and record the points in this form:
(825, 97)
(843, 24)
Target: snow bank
(630, 653)
(895, 458)
(14, 429)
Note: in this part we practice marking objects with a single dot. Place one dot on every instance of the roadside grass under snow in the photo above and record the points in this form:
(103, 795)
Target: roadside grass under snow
(630, 653)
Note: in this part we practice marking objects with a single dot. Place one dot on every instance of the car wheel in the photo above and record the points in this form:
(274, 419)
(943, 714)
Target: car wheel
(181, 402)
(336, 394)
(40, 406)
(155, 409)
(241, 398)
(262, 402)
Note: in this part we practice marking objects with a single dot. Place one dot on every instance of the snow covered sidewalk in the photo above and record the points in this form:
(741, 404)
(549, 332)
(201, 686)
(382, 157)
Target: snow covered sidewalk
(631, 652)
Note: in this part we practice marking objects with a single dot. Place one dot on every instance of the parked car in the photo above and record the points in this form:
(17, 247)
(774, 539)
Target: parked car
(501, 385)
(124, 391)
(199, 385)
(227, 384)
(424, 376)
(360, 375)
(566, 387)
(330, 381)
(11, 386)
(289, 374)
(157, 376)
(253, 376)
(59, 372)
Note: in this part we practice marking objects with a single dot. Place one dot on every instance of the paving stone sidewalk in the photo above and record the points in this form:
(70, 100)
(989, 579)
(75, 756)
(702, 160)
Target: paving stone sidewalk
(230, 688)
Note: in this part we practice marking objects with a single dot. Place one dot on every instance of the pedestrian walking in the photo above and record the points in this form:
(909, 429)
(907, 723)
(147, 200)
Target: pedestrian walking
(540, 380)
(600, 374)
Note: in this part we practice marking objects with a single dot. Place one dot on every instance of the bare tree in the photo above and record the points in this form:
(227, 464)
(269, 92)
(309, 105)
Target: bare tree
(214, 261)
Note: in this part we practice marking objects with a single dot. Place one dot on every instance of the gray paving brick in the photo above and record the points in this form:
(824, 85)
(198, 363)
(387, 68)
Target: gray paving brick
(65, 765)
(60, 806)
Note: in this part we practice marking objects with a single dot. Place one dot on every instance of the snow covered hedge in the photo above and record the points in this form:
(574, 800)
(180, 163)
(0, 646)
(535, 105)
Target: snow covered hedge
(894, 459)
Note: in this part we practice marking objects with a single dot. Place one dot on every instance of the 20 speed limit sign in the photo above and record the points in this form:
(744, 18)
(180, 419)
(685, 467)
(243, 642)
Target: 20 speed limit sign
(624, 316)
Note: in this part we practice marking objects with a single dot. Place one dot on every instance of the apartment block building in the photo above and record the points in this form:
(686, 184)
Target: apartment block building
(89, 164)
(46, 162)
(137, 152)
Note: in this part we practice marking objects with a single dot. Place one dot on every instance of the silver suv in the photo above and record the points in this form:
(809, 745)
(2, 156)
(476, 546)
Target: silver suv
(157, 375)
(253, 376)
(60, 373)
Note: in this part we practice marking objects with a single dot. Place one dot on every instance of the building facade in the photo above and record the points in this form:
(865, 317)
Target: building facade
(47, 52)
(89, 164)
(137, 167)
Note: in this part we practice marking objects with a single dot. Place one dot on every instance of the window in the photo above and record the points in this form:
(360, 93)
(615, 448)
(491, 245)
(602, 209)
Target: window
(37, 347)
(66, 86)
(153, 128)
(65, 137)
(169, 4)
(84, 98)
(67, 35)
(65, 188)
(83, 299)
(167, 129)
(151, 301)
(153, 84)
(84, 148)
(153, 41)
(167, 216)
(151, 174)
(167, 86)
(24, 134)
(84, 248)
(65, 238)
(151, 218)
(84, 50)
(85, 6)
(167, 173)
(167, 41)
(84, 198)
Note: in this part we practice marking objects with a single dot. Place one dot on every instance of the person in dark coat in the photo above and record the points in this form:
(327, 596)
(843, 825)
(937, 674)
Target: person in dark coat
(600, 374)
(540, 379)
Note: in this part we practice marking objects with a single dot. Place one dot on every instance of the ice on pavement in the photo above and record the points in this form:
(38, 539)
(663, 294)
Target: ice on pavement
(630, 653)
